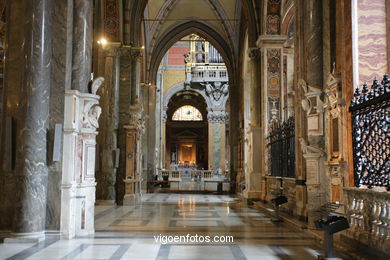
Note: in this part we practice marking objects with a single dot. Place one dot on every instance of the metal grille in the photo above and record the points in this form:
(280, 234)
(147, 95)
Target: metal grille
(371, 136)
(281, 147)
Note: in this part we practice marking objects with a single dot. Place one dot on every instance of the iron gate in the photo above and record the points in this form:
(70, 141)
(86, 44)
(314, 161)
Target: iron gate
(281, 147)
(370, 133)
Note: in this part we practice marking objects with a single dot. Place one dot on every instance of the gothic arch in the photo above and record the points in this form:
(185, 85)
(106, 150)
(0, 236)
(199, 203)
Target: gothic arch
(181, 30)
(179, 87)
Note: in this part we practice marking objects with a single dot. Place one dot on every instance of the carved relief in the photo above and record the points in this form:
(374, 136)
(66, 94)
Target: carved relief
(217, 92)
(92, 111)
(91, 115)
(312, 104)
(308, 149)
(136, 119)
(96, 83)
(333, 107)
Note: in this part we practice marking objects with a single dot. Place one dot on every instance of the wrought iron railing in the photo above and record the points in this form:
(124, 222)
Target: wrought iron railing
(281, 147)
(370, 110)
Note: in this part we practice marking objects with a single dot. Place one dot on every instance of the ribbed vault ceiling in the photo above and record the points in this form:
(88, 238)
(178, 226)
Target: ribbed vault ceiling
(162, 15)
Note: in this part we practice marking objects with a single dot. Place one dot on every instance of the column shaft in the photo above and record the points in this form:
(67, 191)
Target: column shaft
(82, 44)
(33, 120)
(108, 139)
(124, 115)
(313, 43)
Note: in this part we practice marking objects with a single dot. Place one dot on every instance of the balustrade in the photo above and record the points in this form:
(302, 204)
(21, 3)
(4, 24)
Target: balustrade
(209, 73)
(200, 175)
(369, 217)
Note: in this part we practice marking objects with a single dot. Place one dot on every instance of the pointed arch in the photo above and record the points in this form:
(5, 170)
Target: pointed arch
(184, 29)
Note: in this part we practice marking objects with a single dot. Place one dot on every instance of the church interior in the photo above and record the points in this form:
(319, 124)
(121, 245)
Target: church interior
(247, 129)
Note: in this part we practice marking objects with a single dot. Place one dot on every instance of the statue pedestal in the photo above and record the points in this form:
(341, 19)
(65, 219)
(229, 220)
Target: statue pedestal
(82, 112)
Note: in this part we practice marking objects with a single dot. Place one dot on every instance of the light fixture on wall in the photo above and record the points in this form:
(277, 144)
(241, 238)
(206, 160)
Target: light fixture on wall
(146, 84)
(103, 42)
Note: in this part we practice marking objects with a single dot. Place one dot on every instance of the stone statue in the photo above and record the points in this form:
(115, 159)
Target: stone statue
(188, 57)
(96, 83)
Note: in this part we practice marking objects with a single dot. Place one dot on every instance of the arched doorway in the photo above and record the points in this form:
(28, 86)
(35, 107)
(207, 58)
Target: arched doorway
(186, 131)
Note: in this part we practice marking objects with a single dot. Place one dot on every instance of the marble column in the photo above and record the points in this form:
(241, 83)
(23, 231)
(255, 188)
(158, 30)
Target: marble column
(152, 131)
(82, 44)
(165, 157)
(128, 95)
(33, 120)
(311, 82)
(217, 139)
(108, 137)
(136, 55)
(254, 152)
(234, 132)
(313, 43)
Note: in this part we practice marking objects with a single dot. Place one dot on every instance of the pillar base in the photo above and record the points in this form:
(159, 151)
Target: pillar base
(105, 202)
(33, 237)
(131, 199)
(252, 194)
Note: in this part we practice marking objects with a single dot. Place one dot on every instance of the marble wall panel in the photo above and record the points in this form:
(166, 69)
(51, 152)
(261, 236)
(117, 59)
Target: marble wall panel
(372, 42)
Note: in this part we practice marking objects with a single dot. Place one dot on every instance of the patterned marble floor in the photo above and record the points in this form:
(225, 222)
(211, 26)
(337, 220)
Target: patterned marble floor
(128, 232)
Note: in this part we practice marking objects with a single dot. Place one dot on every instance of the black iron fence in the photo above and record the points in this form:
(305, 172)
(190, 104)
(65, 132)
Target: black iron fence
(281, 147)
(371, 135)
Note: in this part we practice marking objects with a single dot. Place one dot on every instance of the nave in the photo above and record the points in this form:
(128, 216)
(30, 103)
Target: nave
(127, 232)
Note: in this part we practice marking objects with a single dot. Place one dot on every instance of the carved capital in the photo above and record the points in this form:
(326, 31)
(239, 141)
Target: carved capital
(116, 50)
(136, 54)
(217, 92)
(253, 53)
(218, 116)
